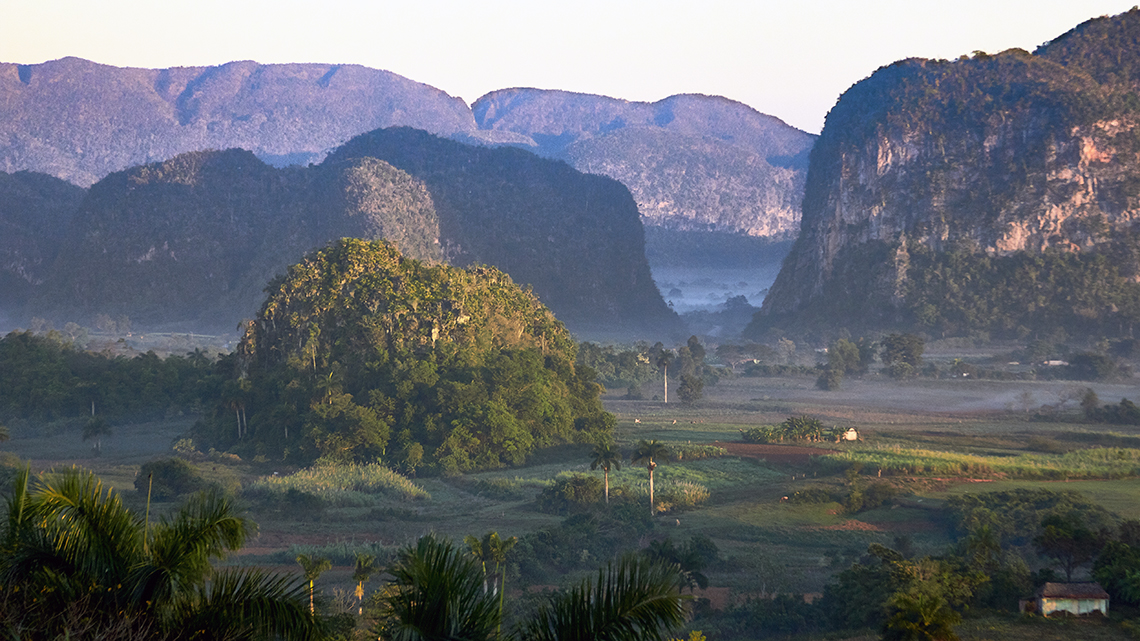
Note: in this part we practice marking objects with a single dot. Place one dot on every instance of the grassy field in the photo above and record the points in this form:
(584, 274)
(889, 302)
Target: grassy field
(933, 439)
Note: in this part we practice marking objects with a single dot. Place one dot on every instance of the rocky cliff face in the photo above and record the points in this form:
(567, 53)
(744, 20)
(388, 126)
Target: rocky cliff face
(80, 121)
(991, 155)
(691, 162)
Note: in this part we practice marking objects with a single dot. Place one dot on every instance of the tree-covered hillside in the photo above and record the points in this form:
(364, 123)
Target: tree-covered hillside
(193, 240)
(360, 353)
(35, 211)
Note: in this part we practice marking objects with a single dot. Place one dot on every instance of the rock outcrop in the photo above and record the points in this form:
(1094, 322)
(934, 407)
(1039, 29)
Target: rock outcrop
(986, 156)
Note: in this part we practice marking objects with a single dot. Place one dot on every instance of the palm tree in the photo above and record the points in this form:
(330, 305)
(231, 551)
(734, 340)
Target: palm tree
(492, 549)
(645, 453)
(365, 567)
(75, 562)
(606, 456)
(664, 357)
(313, 568)
(499, 548)
(436, 593)
(631, 600)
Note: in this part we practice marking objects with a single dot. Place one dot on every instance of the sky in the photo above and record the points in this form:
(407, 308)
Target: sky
(790, 59)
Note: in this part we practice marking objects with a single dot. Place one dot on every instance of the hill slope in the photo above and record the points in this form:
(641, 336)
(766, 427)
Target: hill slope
(193, 240)
(35, 213)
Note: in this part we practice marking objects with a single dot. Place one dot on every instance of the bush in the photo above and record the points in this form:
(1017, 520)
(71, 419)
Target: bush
(571, 494)
(169, 478)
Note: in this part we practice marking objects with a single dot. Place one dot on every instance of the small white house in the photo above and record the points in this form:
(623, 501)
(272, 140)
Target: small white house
(1077, 599)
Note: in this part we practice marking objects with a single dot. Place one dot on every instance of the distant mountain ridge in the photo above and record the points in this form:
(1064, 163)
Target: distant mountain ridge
(80, 121)
(701, 163)
(692, 162)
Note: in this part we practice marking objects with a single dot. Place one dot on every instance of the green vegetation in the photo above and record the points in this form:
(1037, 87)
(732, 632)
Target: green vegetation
(77, 563)
(361, 354)
(334, 484)
(1078, 464)
(794, 428)
(45, 378)
(961, 292)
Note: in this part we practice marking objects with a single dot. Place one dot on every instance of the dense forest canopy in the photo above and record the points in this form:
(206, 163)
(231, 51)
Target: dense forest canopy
(359, 353)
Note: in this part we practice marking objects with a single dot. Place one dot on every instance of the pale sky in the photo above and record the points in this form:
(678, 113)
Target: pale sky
(790, 59)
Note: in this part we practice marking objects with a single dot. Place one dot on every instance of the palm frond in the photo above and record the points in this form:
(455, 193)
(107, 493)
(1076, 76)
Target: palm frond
(632, 600)
(437, 593)
(246, 603)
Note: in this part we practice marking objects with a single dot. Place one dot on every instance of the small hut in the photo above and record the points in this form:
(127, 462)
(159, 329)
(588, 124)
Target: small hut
(1077, 599)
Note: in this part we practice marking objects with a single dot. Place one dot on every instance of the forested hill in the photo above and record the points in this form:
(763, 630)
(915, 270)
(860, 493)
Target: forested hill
(692, 162)
(994, 193)
(80, 121)
(359, 353)
(191, 242)
(575, 238)
(35, 211)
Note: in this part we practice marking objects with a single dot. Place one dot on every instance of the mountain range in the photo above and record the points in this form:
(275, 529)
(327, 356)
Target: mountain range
(692, 162)
(192, 241)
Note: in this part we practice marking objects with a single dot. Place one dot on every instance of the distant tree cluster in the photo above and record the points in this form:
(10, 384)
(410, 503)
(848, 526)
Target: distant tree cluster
(361, 354)
(45, 378)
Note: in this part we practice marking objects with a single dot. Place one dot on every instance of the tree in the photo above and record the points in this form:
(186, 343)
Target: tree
(96, 428)
(633, 599)
(75, 562)
(902, 354)
(663, 358)
(436, 593)
(920, 616)
(1068, 542)
(606, 456)
(645, 453)
(691, 389)
(313, 568)
(364, 569)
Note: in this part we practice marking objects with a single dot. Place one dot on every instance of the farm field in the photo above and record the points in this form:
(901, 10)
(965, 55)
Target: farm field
(767, 542)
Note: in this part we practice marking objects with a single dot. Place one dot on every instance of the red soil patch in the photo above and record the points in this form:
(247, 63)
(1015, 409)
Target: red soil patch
(790, 454)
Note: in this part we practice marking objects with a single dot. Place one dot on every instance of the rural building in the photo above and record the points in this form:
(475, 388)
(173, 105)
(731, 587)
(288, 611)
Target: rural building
(1075, 598)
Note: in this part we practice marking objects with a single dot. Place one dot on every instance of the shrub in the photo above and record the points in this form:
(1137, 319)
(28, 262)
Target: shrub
(571, 494)
(168, 478)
